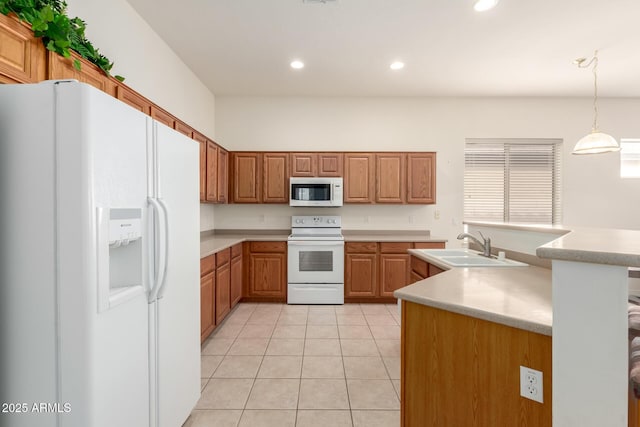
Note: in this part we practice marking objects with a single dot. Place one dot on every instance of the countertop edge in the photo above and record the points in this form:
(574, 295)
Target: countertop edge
(522, 324)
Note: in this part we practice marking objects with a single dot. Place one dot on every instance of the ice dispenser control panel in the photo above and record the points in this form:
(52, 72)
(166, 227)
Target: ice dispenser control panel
(125, 226)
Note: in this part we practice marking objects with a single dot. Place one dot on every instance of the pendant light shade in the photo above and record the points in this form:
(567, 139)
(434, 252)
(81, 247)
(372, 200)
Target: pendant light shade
(595, 142)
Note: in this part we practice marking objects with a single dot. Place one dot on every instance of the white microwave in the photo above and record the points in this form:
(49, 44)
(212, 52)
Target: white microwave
(317, 192)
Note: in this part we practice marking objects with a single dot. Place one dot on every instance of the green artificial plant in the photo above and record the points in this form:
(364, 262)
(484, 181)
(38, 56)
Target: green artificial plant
(60, 34)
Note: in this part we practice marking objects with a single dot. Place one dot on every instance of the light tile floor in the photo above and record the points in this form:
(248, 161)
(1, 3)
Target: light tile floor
(296, 365)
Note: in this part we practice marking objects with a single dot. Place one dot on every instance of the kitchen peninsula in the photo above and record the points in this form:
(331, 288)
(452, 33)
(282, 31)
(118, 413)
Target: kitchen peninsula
(466, 332)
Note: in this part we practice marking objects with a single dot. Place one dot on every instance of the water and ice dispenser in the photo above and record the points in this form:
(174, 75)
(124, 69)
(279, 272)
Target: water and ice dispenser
(120, 256)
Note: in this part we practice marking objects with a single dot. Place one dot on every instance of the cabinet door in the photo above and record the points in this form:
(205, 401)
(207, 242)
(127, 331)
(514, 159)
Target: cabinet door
(223, 175)
(391, 177)
(22, 56)
(62, 68)
(421, 178)
(133, 98)
(330, 164)
(394, 273)
(359, 178)
(212, 172)
(203, 164)
(236, 280)
(207, 305)
(275, 178)
(162, 116)
(245, 177)
(183, 128)
(361, 275)
(223, 292)
(268, 275)
(303, 164)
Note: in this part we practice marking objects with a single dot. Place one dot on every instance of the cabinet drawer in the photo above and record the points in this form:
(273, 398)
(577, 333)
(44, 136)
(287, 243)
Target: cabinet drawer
(395, 248)
(236, 250)
(428, 245)
(419, 266)
(207, 264)
(361, 247)
(268, 247)
(223, 257)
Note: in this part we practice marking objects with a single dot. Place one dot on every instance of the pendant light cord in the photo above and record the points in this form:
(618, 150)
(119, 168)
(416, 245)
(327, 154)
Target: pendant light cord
(581, 64)
(595, 91)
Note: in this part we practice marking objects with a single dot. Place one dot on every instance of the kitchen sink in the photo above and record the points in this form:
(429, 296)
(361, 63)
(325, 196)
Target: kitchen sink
(466, 258)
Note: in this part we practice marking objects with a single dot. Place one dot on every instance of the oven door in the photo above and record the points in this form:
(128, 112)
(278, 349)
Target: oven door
(320, 261)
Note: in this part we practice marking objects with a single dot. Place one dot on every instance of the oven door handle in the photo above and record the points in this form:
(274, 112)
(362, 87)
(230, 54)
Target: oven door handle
(315, 243)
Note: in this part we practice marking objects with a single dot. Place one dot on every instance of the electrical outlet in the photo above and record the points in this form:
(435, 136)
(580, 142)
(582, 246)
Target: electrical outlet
(531, 384)
(436, 214)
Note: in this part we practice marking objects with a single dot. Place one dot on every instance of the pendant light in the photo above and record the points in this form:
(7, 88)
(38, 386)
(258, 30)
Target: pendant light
(596, 142)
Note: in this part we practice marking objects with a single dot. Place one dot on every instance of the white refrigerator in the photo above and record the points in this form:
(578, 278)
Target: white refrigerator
(99, 262)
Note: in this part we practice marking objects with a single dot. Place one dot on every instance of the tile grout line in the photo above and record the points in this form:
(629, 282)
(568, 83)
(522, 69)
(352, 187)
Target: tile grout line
(304, 342)
(244, 409)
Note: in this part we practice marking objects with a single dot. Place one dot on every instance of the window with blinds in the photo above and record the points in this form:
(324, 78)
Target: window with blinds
(512, 180)
(630, 158)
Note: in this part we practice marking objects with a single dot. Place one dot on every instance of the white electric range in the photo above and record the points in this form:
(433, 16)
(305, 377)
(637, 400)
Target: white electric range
(316, 260)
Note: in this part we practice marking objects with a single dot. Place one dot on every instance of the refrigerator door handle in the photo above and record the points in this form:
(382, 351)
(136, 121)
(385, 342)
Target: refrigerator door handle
(160, 266)
(162, 284)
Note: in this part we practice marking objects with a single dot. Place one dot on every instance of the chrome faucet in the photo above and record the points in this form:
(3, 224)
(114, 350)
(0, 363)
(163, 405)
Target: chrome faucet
(485, 244)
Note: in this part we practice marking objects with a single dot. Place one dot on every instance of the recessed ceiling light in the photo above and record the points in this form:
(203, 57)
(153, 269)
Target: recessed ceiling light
(397, 65)
(483, 5)
(296, 65)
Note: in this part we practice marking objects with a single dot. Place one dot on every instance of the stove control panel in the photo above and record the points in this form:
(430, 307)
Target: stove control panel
(319, 221)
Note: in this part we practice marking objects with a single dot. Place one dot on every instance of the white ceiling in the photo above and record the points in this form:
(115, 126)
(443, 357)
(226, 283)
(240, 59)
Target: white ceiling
(520, 48)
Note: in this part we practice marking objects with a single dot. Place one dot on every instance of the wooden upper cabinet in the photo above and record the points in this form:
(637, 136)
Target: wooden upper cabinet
(330, 164)
(223, 175)
(22, 57)
(246, 173)
(303, 164)
(129, 96)
(275, 178)
(162, 116)
(202, 141)
(359, 177)
(62, 68)
(183, 128)
(212, 172)
(391, 177)
(421, 178)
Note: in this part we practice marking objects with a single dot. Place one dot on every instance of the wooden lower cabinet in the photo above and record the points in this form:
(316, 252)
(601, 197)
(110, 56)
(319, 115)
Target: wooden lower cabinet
(374, 270)
(421, 269)
(361, 275)
(462, 371)
(265, 271)
(236, 279)
(394, 273)
(223, 292)
(207, 305)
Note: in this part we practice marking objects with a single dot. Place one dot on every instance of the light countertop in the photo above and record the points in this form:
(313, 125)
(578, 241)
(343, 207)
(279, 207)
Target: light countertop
(596, 246)
(212, 242)
(519, 297)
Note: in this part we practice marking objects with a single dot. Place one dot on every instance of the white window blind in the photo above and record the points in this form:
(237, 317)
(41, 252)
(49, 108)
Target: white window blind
(630, 158)
(512, 180)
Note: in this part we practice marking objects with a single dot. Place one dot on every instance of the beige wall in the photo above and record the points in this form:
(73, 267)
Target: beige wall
(149, 66)
(593, 192)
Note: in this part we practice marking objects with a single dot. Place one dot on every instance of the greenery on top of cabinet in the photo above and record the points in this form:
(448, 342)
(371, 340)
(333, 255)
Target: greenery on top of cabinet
(60, 34)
